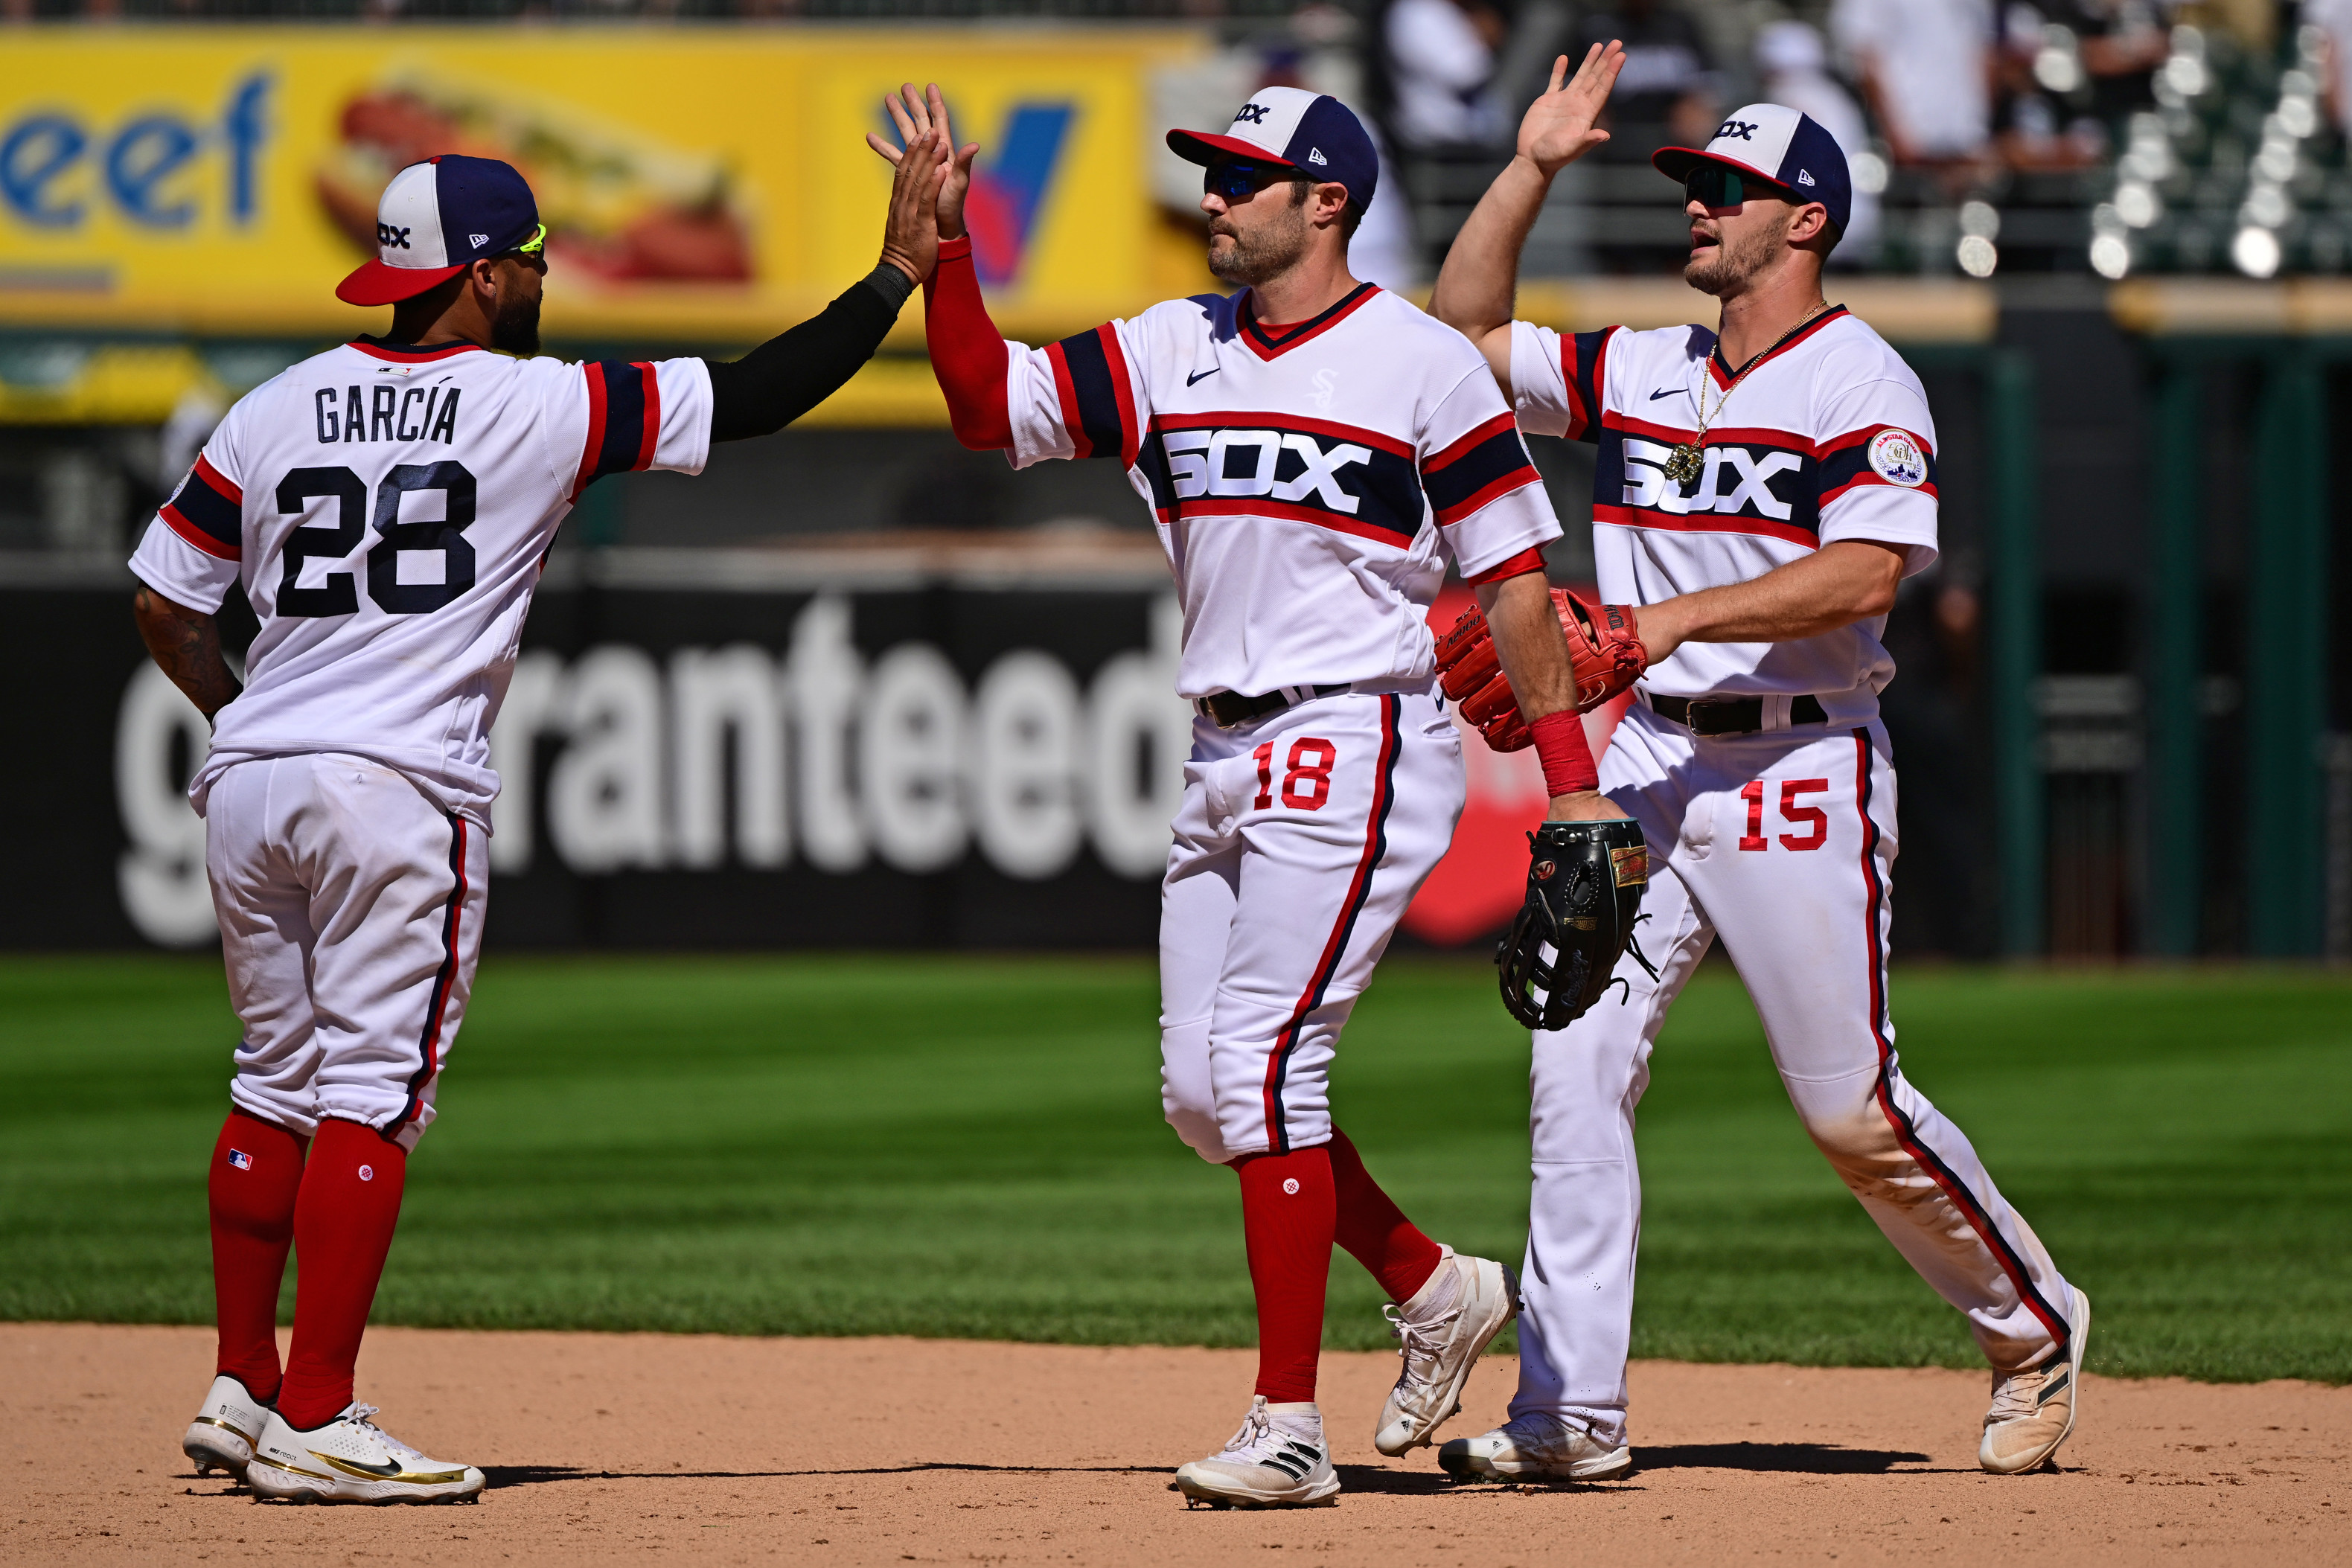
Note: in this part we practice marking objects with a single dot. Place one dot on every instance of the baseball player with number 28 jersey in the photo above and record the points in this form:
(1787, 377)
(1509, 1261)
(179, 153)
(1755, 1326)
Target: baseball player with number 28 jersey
(1313, 451)
(1758, 493)
(386, 506)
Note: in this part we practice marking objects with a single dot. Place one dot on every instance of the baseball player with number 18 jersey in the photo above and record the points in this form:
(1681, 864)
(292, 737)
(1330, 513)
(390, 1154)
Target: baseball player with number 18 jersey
(1311, 467)
(387, 507)
(1754, 511)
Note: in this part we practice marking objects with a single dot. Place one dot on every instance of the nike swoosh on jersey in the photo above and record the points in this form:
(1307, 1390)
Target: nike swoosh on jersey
(1670, 392)
(1203, 375)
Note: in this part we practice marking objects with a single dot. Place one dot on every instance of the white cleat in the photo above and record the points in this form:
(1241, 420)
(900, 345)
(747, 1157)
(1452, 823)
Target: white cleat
(1278, 1459)
(352, 1459)
(1534, 1448)
(2033, 1411)
(1442, 1330)
(224, 1431)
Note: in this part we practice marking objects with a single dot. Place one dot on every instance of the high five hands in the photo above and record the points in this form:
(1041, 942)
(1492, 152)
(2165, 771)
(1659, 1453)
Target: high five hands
(932, 169)
(911, 232)
(1558, 128)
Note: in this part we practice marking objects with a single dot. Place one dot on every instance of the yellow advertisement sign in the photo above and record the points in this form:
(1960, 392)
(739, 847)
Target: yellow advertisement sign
(698, 185)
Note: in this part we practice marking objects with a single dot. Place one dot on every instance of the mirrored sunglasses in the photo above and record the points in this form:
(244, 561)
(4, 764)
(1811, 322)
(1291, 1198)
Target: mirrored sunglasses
(1235, 180)
(1713, 185)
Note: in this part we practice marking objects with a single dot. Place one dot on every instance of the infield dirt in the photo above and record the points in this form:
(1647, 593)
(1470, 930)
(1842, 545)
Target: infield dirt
(610, 1447)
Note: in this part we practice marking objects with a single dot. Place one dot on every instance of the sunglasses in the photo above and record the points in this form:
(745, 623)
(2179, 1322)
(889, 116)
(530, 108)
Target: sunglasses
(1713, 185)
(1235, 180)
(535, 246)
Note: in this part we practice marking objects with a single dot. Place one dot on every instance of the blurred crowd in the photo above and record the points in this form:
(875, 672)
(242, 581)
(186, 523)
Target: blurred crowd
(2117, 135)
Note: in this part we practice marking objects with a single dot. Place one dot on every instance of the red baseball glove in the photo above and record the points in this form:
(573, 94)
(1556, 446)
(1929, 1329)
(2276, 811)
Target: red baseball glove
(1604, 652)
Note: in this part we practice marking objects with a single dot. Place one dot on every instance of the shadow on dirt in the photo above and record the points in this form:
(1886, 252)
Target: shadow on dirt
(539, 1475)
(1796, 1458)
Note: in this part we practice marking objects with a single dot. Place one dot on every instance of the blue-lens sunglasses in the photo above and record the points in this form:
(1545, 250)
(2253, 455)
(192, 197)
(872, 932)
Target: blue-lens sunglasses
(1235, 180)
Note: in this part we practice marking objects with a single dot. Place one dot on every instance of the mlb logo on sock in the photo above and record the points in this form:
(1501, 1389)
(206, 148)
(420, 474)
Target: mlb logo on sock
(239, 1160)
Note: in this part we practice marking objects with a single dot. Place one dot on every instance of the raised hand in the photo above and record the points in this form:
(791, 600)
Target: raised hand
(919, 115)
(1558, 128)
(911, 230)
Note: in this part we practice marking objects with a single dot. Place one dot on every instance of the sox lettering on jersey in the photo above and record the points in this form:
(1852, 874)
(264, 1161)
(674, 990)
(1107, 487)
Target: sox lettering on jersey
(1260, 465)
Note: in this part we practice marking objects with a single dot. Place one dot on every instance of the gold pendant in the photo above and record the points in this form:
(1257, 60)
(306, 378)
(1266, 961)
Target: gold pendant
(1684, 463)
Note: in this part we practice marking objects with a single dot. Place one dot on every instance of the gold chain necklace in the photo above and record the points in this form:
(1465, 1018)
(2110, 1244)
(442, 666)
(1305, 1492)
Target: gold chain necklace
(1685, 462)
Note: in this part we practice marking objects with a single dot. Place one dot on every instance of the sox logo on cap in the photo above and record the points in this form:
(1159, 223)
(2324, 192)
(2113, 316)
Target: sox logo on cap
(1314, 133)
(1772, 143)
(482, 204)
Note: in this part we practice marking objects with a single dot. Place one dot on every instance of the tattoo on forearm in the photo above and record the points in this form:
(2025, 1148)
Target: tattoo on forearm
(186, 646)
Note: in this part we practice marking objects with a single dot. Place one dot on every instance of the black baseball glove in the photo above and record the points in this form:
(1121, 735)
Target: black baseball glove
(1584, 889)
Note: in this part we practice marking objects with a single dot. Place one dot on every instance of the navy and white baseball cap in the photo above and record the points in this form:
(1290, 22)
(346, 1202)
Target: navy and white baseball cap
(1773, 142)
(1314, 133)
(435, 219)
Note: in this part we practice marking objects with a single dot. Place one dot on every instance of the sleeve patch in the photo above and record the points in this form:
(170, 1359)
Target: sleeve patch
(1489, 463)
(624, 420)
(207, 511)
(1098, 404)
(1880, 455)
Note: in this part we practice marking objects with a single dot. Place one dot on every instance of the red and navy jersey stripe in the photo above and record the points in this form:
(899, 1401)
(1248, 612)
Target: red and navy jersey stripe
(624, 420)
(208, 511)
(1583, 361)
(1478, 470)
(1097, 402)
(1269, 343)
(1845, 463)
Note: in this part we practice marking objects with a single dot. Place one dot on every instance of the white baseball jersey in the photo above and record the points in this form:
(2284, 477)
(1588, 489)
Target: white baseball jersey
(1827, 438)
(388, 509)
(1307, 481)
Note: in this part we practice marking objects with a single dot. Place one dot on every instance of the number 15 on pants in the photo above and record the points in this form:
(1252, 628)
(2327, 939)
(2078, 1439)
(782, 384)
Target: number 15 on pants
(1813, 820)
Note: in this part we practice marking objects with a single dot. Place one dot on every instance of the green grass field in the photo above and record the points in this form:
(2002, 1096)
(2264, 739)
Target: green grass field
(969, 1146)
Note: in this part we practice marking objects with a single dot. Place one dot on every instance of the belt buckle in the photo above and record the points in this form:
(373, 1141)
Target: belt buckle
(1696, 716)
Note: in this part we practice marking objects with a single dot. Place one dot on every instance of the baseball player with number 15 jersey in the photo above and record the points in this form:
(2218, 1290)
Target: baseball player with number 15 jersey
(1759, 491)
(386, 506)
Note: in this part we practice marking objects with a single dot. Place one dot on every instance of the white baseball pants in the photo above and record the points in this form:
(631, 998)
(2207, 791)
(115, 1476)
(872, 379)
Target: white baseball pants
(1781, 844)
(1301, 838)
(351, 914)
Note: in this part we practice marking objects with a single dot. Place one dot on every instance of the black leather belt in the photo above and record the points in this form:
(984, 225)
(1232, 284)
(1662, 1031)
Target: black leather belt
(1226, 709)
(1732, 715)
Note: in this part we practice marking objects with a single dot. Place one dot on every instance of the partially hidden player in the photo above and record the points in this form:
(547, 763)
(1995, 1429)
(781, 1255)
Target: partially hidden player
(1759, 491)
(1313, 451)
(386, 506)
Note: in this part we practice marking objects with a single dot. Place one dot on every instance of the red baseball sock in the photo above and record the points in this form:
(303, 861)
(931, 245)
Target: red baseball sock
(1375, 1231)
(1288, 1213)
(342, 1229)
(256, 1169)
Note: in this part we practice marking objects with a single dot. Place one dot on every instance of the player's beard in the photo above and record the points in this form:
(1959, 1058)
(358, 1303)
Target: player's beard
(515, 328)
(1272, 250)
(1724, 267)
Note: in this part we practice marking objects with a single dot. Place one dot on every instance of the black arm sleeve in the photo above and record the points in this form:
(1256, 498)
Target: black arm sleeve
(791, 373)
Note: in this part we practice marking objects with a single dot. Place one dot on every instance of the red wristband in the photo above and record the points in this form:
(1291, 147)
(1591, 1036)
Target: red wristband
(1566, 755)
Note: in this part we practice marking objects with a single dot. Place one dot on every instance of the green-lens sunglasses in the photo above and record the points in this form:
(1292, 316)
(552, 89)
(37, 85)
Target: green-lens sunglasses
(1712, 185)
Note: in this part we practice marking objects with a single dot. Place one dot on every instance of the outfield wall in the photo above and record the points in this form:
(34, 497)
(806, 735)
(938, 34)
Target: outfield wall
(735, 748)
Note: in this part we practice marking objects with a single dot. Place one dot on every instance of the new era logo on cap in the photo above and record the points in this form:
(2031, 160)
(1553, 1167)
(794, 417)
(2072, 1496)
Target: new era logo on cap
(425, 210)
(1772, 141)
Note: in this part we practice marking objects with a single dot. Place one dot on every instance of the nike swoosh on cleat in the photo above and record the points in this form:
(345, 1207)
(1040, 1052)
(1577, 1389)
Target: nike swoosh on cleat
(1203, 375)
